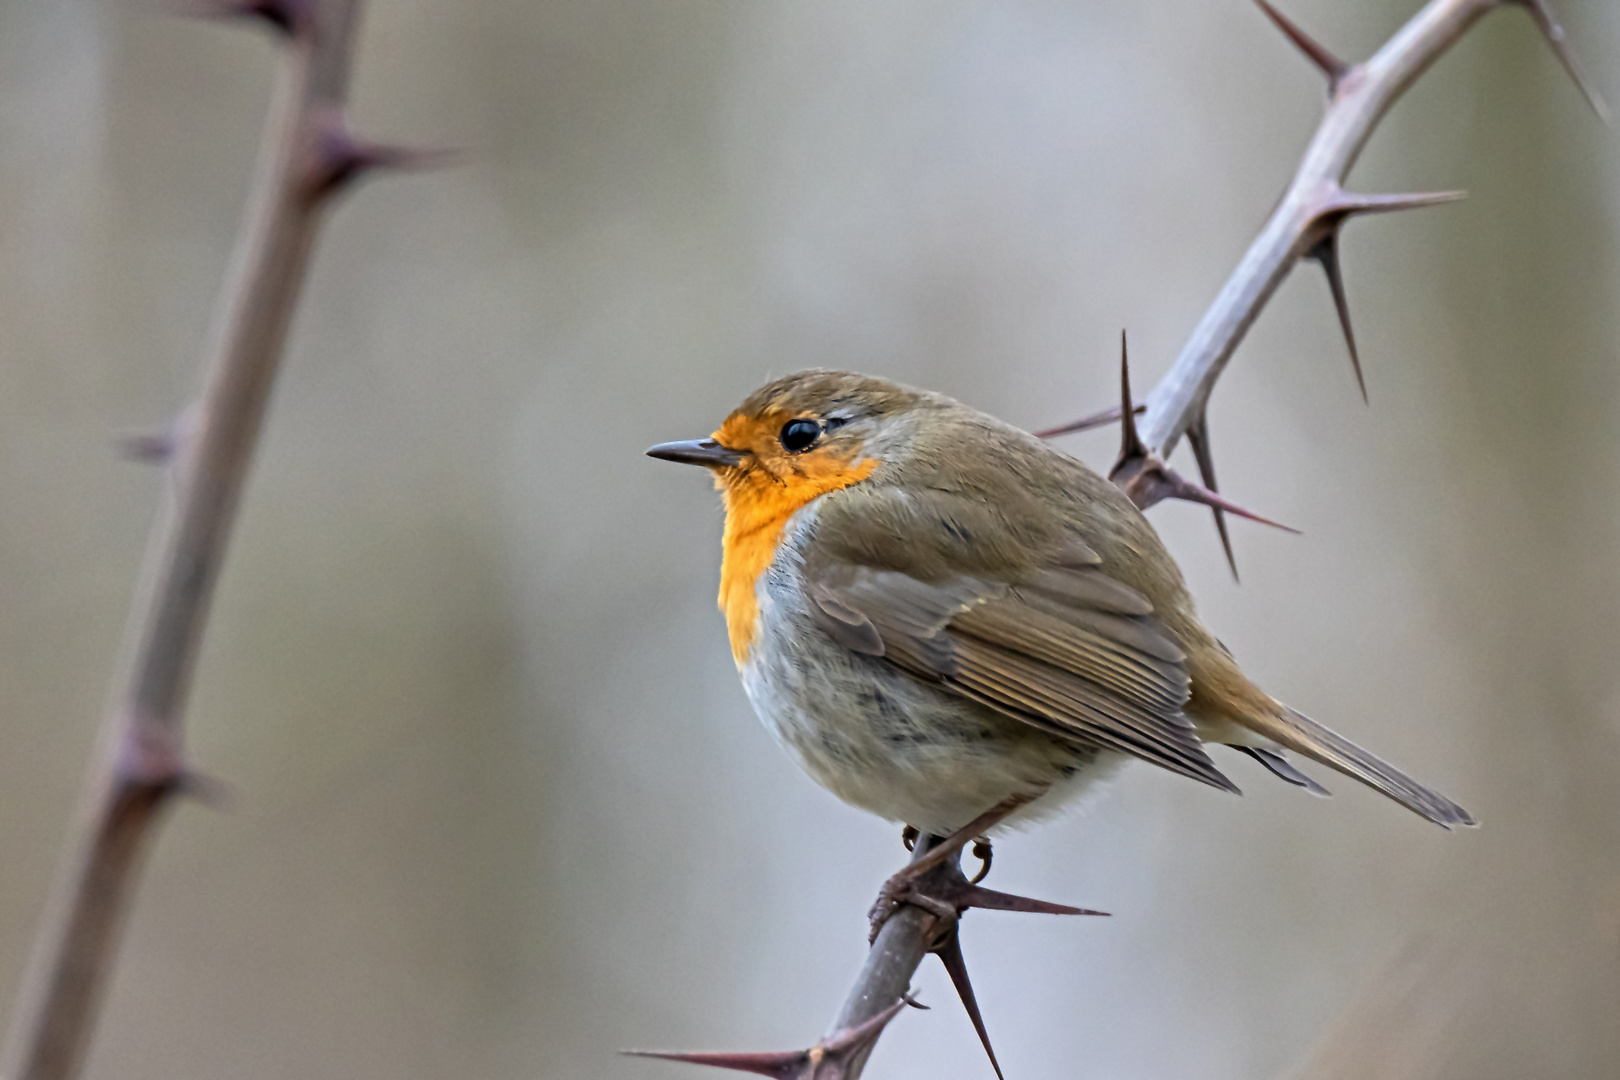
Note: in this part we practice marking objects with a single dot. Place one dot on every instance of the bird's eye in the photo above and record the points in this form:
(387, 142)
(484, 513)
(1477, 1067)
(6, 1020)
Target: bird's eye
(800, 435)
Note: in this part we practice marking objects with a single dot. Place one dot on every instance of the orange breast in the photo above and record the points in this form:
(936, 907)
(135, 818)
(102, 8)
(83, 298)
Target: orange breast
(757, 509)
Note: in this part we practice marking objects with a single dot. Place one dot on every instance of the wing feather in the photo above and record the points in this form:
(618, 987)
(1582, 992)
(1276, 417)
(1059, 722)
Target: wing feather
(1068, 650)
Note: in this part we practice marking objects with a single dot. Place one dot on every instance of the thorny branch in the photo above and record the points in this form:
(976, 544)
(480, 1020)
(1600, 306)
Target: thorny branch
(305, 159)
(1305, 224)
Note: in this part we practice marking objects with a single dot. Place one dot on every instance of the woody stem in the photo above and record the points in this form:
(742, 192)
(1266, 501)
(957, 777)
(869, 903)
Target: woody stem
(140, 764)
(1359, 99)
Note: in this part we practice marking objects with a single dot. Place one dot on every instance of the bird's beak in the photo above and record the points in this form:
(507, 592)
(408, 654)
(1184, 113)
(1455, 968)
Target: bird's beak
(698, 452)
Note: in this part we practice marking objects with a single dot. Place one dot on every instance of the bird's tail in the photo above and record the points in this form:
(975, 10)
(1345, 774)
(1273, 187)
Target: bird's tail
(1303, 735)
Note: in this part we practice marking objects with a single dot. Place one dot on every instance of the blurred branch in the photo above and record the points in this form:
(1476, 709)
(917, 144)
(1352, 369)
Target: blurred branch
(306, 158)
(1305, 224)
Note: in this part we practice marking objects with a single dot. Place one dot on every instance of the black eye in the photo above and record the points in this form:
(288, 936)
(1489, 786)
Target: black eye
(800, 435)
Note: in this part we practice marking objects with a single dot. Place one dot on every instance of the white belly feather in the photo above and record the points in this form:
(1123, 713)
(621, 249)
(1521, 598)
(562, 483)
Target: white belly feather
(885, 741)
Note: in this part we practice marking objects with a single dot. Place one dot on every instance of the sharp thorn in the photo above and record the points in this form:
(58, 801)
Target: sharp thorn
(339, 159)
(949, 952)
(866, 1033)
(833, 1053)
(1550, 29)
(1147, 480)
(148, 447)
(1109, 415)
(1326, 254)
(782, 1064)
(1330, 65)
(1130, 443)
(287, 18)
(149, 755)
(162, 446)
(1181, 488)
(1380, 204)
(1338, 204)
(1198, 439)
(211, 791)
(990, 900)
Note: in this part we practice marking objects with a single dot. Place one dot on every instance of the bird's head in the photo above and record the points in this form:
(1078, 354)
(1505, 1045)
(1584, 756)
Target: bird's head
(789, 443)
(799, 437)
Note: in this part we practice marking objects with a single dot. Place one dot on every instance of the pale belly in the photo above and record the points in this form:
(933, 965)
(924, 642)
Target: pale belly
(891, 744)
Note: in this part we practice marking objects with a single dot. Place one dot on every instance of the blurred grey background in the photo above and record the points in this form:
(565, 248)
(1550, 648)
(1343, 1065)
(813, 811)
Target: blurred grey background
(500, 805)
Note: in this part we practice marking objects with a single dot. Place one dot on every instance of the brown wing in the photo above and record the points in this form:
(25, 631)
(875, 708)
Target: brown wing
(1071, 651)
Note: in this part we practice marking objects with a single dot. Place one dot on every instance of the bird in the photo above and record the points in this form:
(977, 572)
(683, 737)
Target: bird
(949, 622)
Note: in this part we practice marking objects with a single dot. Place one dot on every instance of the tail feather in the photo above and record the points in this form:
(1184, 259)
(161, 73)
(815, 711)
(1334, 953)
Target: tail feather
(1284, 770)
(1303, 735)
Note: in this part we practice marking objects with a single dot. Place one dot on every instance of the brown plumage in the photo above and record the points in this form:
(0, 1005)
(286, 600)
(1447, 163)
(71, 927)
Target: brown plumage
(936, 611)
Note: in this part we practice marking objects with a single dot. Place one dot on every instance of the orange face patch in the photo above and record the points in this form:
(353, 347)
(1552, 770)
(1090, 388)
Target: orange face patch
(760, 495)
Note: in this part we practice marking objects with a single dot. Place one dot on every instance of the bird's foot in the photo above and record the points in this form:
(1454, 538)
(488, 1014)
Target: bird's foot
(933, 880)
(982, 852)
(904, 889)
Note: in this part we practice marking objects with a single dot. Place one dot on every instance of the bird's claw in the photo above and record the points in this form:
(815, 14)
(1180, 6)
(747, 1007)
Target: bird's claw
(902, 889)
(982, 852)
(947, 893)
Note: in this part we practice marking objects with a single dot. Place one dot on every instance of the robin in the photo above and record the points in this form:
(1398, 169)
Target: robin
(949, 622)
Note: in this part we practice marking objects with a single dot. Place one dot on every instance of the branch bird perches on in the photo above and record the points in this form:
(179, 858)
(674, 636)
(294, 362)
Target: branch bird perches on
(1305, 224)
(307, 157)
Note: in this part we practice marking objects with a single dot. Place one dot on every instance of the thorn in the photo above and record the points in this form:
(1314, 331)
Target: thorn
(961, 894)
(158, 447)
(149, 755)
(1147, 480)
(339, 159)
(1329, 65)
(1186, 490)
(1326, 254)
(287, 18)
(1198, 439)
(1130, 444)
(953, 894)
(1550, 29)
(1109, 415)
(949, 952)
(147, 447)
(1337, 204)
(827, 1060)
(784, 1064)
(974, 896)
(211, 791)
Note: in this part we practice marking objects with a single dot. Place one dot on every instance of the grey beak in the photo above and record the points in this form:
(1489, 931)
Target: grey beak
(698, 452)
